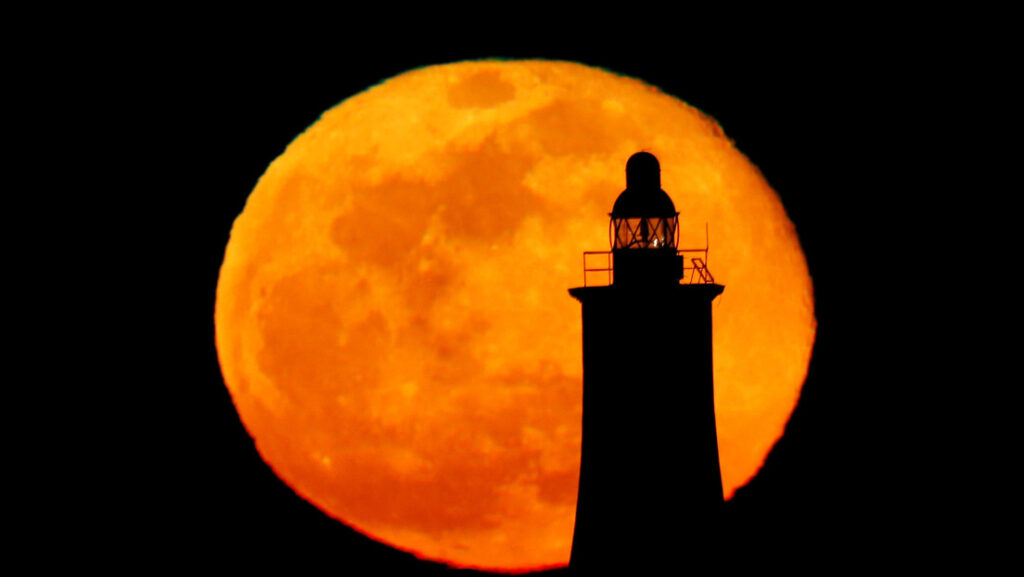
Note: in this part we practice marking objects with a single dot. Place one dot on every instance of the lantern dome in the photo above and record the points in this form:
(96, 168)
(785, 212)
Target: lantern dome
(643, 197)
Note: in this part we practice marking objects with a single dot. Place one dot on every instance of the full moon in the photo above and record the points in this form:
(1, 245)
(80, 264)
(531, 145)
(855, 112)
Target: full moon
(392, 315)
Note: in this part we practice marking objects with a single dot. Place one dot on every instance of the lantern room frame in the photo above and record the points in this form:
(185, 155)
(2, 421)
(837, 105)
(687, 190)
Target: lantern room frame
(630, 233)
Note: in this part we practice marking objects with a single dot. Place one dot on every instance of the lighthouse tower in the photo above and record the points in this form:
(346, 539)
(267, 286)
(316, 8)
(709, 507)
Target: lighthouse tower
(650, 488)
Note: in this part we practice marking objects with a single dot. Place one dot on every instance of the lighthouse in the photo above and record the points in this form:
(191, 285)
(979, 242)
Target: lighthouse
(650, 491)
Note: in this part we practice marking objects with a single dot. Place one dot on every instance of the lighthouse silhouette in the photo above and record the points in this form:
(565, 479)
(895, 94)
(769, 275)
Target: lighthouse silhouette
(650, 491)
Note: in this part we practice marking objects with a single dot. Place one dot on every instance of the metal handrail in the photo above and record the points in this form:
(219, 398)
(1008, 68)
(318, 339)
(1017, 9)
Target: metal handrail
(608, 268)
(699, 273)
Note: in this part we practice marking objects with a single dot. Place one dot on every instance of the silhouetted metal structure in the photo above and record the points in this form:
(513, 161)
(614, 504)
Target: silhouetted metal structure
(650, 485)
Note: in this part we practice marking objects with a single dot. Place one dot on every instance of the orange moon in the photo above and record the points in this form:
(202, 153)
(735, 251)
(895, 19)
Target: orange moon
(392, 315)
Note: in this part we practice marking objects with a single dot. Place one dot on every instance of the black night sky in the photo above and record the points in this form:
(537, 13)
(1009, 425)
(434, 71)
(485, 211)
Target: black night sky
(813, 114)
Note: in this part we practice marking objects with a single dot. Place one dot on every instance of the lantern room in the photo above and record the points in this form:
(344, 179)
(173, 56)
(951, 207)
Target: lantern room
(644, 216)
(644, 227)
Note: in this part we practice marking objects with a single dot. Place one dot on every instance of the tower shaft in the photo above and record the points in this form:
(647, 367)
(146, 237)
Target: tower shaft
(650, 484)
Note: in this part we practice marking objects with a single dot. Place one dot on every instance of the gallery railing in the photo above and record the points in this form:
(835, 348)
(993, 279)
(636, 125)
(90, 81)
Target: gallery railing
(601, 263)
